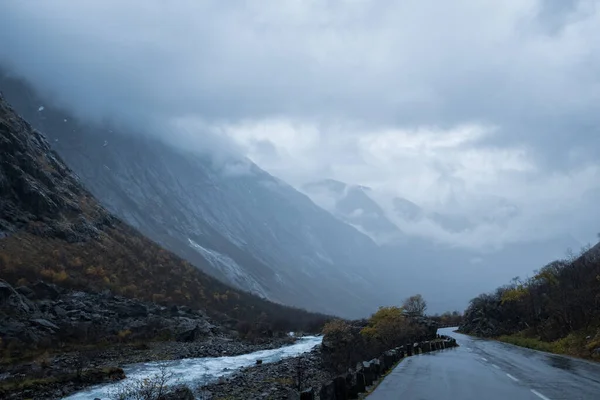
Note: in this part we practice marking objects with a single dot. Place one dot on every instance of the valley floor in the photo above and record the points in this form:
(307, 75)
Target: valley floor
(53, 374)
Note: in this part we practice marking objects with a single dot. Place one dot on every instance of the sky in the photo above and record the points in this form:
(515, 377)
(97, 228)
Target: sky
(470, 107)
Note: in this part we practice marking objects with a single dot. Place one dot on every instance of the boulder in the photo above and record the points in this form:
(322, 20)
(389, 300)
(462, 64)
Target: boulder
(25, 291)
(401, 352)
(13, 303)
(190, 336)
(388, 359)
(130, 309)
(341, 390)
(5, 291)
(367, 373)
(59, 311)
(44, 323)
(383, 365)
(42, 291)
(351, 385)
(327, 391)
(417, 348)
(376, 367)
(308, 394)
(361, 385)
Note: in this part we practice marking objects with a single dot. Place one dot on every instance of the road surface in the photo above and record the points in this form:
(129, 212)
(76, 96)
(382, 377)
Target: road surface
(487, 370)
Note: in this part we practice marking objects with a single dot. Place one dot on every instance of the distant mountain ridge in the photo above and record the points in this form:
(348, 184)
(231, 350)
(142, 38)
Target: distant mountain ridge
(361, 207)
(352, 204)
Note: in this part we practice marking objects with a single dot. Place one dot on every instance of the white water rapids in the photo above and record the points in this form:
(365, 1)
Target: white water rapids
(199, 371)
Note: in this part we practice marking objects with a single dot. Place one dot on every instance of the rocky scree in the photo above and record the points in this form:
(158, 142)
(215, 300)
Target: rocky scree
(43, 314)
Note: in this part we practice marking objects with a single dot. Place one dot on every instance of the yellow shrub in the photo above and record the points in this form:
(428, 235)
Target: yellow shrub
(60, 276)
(47, 273)
(336, 326)
(124, 334)
(22, 282)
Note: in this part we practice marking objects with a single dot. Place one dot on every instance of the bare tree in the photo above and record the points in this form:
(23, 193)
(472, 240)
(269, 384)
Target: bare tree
(415, 305)
(82, 361)
(154, 387)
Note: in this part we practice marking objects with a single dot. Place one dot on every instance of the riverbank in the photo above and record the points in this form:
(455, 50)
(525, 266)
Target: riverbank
(55, 341)
(284, 379)
(53, 376)
(308, 377)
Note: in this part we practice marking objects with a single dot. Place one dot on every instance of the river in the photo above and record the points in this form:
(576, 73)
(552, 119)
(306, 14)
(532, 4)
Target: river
(199, 371)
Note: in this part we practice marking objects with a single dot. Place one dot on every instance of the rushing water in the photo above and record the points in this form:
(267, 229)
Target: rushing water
(199, 371)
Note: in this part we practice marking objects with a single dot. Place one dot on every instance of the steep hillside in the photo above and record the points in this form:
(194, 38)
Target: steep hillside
(230, 218)
(557, 309)
(51, 228)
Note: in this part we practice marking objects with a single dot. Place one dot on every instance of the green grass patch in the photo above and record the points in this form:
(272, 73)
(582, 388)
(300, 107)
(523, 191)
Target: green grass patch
(575, 344)
(530, 343)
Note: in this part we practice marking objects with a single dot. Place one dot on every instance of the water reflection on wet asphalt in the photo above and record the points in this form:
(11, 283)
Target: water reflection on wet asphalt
(490, 370)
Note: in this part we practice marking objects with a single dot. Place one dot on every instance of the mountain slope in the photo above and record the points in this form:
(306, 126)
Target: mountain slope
(352, 204)
(231, 219)
(54, 229)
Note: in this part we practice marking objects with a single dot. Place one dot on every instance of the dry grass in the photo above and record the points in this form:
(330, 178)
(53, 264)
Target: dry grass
(575, 344)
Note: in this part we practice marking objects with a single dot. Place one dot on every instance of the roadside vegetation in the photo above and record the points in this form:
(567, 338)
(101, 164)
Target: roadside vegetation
(556, 310)
(347, 342)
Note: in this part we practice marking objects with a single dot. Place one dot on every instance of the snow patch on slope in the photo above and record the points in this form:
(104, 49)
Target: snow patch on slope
(231, 269)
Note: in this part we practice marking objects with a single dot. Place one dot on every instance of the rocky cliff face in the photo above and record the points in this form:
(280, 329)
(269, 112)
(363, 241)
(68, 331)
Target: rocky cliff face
(37, 191)
(231, 219)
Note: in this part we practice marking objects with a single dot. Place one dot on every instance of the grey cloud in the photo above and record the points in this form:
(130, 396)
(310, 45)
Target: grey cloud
(554, 15)
(527, 67)
(383, 63)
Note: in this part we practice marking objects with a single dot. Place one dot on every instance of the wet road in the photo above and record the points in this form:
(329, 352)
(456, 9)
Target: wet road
(489, 370)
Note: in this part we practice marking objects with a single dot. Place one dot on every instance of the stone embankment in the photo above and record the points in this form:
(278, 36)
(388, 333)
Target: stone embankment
(355, 382)
(306, 378)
